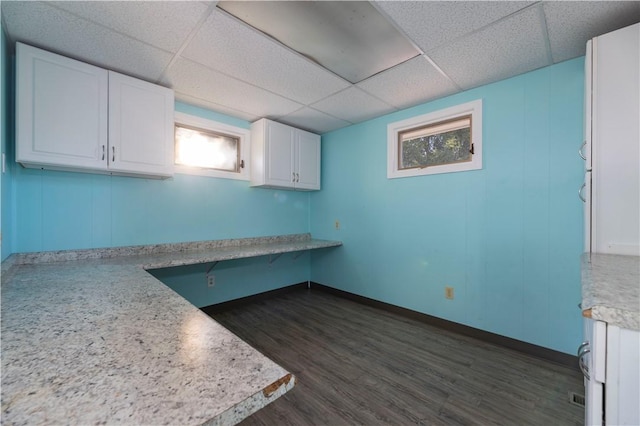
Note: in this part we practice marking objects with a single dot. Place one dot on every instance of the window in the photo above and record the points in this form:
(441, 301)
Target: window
(444, 141)
(206, 147)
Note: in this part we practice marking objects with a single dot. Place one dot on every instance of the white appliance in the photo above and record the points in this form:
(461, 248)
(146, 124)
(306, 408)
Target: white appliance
(611, 149)
(591, 359)
(611, 192)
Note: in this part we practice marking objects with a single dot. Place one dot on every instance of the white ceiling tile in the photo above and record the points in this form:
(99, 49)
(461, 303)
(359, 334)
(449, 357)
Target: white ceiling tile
(314, 121)
(49, 28)
(507, 48)
(350, 38)
(163, 24)
(473, 42)
(571, 24)
(198, 81)
(222, 109)
(353, 105)
(229, 46)
(433, 23)
(409, 84)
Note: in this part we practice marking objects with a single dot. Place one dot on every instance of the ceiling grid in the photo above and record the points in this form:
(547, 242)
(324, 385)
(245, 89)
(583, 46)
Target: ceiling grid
(214, 60)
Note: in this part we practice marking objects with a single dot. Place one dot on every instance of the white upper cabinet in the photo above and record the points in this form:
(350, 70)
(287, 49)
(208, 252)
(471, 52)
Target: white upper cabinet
(284, 157)
(78, 117)
(61, 110)
(140, 126)
(307, 154)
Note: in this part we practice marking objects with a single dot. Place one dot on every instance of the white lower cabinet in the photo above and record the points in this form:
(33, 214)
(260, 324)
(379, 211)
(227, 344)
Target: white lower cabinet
(284, 157)
(610, 361)
(74, 116)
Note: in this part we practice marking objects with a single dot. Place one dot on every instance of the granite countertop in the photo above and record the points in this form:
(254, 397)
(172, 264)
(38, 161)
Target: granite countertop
(611, 289)
(89, 337)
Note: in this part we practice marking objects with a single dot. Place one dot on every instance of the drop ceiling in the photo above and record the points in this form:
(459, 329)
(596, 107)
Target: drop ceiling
(214, 60)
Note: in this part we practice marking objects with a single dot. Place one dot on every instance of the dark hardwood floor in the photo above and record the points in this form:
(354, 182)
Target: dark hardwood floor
(357, 364)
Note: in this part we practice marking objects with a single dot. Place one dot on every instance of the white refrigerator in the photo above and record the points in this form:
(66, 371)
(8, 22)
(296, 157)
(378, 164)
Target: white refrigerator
(611, 190)
(611, 193)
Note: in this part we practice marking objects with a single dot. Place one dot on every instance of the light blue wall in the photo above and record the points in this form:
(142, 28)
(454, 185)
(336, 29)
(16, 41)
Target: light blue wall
(6, 146)
(507, 238)
(64, 210)
(235, 278)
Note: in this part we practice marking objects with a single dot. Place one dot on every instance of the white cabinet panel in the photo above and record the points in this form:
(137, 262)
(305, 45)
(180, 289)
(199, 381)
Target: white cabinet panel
(284, 157)
(612, 358)
(307, 155)
(623, 377)
(61, 110)
(615, 141)
(140, 126)
(594, 357)
(279, 159)
(78, 117)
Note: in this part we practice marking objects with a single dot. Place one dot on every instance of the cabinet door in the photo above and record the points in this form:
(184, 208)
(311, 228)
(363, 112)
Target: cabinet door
(623, 376)
(61, 110)
(596, 335)
(307, 160)
(585, 149)
(587, 198)
(140, 126)
(279, 154)
(616, 142)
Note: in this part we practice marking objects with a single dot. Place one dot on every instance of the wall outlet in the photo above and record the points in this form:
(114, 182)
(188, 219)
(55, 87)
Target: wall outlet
(337, 224)
(448, 292)
(211, 280)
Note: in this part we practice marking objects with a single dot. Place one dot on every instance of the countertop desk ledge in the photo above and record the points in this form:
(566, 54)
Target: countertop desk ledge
(89, 337)
(611, 289)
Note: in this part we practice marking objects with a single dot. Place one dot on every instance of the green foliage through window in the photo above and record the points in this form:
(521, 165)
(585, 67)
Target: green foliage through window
(439, 143)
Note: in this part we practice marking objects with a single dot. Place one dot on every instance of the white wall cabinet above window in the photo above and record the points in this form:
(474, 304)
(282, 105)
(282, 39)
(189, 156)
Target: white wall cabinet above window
(284, 157)
(449, 140)
(79, 117)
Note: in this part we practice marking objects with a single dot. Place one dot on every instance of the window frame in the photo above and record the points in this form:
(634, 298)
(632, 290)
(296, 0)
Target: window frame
(244, 136)
(473, 109)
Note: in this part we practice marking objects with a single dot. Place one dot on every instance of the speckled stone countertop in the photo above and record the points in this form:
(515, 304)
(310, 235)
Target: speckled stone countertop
(89, 337)
(611, 289)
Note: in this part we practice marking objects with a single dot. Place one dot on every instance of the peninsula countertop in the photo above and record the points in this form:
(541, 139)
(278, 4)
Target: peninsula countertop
(611, 289)
(89, 337)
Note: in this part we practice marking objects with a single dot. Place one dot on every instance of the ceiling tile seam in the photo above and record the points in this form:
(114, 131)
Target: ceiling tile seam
(354, 86)
(281, 45)
(256, 86)
(397, 27)
(106, 27)
(318, 111)
(187, 40)
(545, 32)
(472, 33)
(441, 71)
(333, 94)
(415, 45)
(484, 27)
(216, 103)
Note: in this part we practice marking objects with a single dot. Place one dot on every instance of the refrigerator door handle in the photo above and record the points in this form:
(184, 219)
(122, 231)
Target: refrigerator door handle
(582, 363)
(584, 185)
(580, 151)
